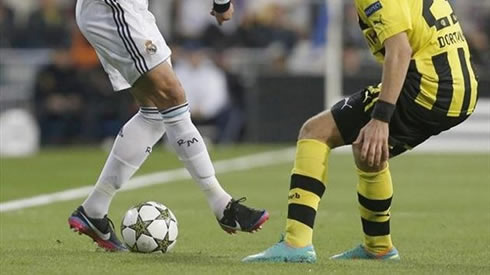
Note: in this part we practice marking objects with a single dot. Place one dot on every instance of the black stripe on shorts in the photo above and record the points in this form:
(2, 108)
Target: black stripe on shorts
(142, 59)
(118, 16)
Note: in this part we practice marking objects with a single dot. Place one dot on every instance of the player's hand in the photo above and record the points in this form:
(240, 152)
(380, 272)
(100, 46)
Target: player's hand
(225, 16)
(374, 140)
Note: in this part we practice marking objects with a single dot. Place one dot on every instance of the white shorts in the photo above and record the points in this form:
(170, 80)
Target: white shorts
(125, 37)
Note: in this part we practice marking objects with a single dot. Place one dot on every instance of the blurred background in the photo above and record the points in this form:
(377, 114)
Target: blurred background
(254, 80)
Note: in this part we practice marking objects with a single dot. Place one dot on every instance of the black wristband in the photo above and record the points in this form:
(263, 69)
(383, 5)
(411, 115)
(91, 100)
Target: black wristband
(383, 111)
(221, 8)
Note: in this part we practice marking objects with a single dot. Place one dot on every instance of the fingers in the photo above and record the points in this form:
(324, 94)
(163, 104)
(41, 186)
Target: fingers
(360, 138)
(372, 153)
(366, 145)
(218, 17)
(378, 154)
(386, 152)
(222, 17)
(374, 149)
(382, 152)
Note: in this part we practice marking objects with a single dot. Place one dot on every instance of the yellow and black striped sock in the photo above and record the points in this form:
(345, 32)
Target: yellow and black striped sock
(375, 192)
(307, 187)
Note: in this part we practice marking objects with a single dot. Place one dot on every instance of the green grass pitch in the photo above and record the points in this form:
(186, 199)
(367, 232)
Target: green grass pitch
(440, 224)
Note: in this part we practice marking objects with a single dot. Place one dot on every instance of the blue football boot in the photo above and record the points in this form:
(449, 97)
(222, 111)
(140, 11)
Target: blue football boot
(281, 252)
(359, 252)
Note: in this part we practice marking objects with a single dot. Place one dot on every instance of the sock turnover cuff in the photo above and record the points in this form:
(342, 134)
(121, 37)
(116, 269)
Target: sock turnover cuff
(151, 114)
(176, 113)
(373, 174)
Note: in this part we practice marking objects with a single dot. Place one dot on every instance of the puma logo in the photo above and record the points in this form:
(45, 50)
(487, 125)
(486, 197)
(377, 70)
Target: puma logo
(367, 96)
(378, 22)
(346, 104)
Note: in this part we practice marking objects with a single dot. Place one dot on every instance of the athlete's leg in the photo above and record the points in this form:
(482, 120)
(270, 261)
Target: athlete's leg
(120, 34)
(374, 189)
(374, 192)
(308, 182)
(131, 148)
(161, 86)
(309, 176)
(318, 135)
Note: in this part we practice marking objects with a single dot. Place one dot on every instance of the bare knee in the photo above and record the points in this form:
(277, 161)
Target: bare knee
(363, 165)
(322, 127)
(310, 130)
(169, 92)
(161, 87)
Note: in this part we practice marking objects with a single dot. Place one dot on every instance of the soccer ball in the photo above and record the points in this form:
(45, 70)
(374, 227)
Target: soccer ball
(149, 227)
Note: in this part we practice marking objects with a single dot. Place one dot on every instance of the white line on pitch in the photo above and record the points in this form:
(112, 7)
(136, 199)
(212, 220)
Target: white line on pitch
(222, 166)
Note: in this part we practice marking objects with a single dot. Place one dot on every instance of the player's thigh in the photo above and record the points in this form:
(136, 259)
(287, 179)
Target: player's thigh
(125, 34)
(322, 127)
(117, 80)
(410, 125)
(353, 113)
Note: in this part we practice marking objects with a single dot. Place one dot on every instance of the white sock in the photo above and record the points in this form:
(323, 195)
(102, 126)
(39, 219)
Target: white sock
(131, 148)
(189, 146)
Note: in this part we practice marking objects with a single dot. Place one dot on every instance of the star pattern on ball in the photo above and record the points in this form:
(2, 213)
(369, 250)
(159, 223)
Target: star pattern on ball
(163, 244)
(164, 214)
(140, 227)
(134, 248)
